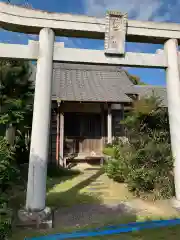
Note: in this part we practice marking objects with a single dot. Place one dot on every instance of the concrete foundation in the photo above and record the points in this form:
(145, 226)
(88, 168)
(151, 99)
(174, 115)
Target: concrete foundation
(175, 204)
(41, 220)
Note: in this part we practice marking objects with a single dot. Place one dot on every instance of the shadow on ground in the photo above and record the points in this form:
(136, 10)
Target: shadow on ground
(87, 209)
(54, 176)
(73, 194)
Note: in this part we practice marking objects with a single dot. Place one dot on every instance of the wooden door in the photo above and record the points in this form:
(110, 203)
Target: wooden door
(71, 133)
(82, 133)
(90, 131)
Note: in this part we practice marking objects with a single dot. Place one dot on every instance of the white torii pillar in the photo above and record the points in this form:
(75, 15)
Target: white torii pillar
(36, 188)
(173, 96)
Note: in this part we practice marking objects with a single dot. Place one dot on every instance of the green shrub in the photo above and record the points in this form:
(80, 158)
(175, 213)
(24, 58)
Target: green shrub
(8, 169)
(5, 223)
(116, 167)
(149, 165)
(8, 177)
(145, 163)
(114, 170)
(109, 151)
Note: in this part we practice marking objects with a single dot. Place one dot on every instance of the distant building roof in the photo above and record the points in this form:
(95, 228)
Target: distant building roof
(149, 90)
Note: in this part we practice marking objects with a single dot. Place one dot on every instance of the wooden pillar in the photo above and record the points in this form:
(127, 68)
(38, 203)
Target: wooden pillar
(58, 133)
(122, 118)
(109, 125)
(61, 140)
(122, 109)
(102, 127)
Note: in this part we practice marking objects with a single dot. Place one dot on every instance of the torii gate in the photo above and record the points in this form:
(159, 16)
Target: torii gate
(116, 29)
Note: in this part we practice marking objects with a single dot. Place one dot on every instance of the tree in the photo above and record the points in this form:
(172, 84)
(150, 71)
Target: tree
(16, 92)
(135, 79)
(16, 100)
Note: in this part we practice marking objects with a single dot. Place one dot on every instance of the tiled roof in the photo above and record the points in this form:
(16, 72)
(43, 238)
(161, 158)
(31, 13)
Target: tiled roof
(149, 90)
(80, 82)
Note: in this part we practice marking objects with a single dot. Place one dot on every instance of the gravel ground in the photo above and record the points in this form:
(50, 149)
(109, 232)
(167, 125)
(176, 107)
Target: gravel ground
(87, 214)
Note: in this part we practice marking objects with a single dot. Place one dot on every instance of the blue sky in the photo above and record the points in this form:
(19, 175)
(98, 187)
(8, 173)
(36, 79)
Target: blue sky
(152, 10)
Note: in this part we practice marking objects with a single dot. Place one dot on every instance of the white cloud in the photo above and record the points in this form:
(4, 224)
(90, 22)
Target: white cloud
(137, 9)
